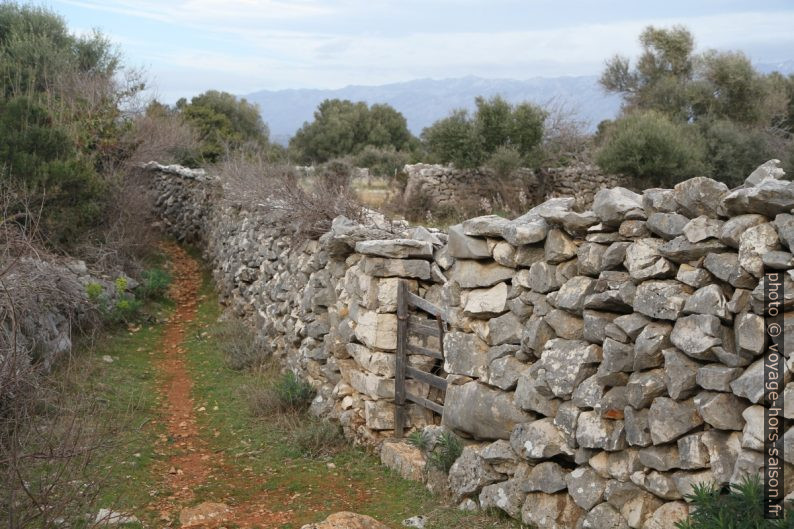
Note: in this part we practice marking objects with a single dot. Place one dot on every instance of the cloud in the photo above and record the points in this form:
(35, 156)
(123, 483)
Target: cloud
(244, 45)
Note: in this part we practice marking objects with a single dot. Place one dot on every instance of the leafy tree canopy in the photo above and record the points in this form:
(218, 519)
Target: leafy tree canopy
(342, 127)
(224, 123)
(468, 141)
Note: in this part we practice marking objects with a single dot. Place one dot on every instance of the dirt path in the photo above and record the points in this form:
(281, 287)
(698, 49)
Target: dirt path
(192, 463)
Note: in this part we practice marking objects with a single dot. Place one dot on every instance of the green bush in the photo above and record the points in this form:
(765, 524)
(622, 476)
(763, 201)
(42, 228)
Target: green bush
(469, 141)
(734, 150)
(421, 439)
(382, 161)
(447, 451)
(504, 161)
(342, 128)
(653, 149)
(154, 283)
(293, 393)
(224, 122)
(121, 307)
(741, 508)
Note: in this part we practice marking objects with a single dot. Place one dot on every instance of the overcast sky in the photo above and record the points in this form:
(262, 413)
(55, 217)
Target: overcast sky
(188, 46)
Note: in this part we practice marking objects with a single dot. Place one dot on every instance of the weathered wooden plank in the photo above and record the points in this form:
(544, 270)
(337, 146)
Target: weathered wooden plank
(418, 326)
(415, 301)
(400, 360)
(416, 349)
(427, 378)
(429, 404)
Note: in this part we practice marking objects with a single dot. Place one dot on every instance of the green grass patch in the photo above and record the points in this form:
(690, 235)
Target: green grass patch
(264, 447)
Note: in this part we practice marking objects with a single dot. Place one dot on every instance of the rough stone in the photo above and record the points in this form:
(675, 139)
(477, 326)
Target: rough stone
(466, 354)
(769, 198)
(734, 227)
(654, 338)
(482, 412)
(469, 473)
(643, 260)
(559, 247)
(754, 243)
(669, 419)
(405, 459)
(506, 496)
(383, 267)
(645, 386)
(708, 300)
(661, 299)
(540, 439)
(717, 377)
(697, 334)
(473, 274)
(487, 302)
(548, 477)
(604, 516)
(680, 373)
(585, 487)
(612, 205)
(638, 431)
(667, 225)
(550, 511)
(484, 226)
(593, 431)
(694, 277)
(567, 363)
(700, 196)
(725, 266)
(721, 410)
(396, 248)
(702, 228)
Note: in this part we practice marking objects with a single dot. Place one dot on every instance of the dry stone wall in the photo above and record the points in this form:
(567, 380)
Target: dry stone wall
(447, 187)
(599, 362)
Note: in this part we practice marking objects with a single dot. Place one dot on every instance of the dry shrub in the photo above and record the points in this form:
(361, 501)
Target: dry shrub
(241, 349)
(303, 205)
(565, 136)
(55, 439)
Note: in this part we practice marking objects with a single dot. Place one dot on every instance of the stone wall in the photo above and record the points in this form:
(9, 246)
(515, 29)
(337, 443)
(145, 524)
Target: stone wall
(599, 362)
(446, 187)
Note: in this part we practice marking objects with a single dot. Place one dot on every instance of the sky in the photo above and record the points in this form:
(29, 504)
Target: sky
(241, 46)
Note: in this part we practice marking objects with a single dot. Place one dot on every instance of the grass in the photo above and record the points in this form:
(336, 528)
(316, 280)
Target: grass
(262, 448)
(284, 460)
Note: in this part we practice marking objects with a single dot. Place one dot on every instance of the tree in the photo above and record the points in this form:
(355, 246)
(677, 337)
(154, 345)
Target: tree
(224, 122)
(718, 97)
(470, 141)
(342, 127)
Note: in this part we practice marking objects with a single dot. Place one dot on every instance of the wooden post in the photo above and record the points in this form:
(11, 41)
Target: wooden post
(400, 360)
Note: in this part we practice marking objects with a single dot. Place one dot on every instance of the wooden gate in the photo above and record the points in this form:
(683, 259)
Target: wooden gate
(407, 324)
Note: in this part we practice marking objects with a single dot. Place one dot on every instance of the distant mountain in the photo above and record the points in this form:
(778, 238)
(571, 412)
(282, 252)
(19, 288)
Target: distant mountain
(423, 101)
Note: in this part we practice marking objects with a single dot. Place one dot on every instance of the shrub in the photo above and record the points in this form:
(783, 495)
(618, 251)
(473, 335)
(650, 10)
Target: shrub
(303, 206)
(240, 347)
(421, 439)
(734, 150)
(741, 508)
(154, 283)
(504, 161)
(293, 393)
(647, 145)
(447, 451)
(382, 161)
(315, 438)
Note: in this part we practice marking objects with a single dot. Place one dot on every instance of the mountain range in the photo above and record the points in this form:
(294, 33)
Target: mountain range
(424, 101)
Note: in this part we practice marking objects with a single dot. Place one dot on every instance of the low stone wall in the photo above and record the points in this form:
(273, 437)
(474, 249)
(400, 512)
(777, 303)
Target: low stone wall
(599, 362)
(447, 187)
